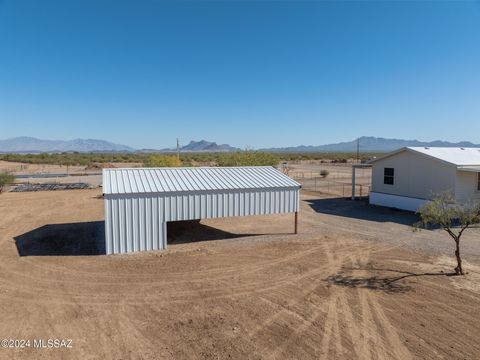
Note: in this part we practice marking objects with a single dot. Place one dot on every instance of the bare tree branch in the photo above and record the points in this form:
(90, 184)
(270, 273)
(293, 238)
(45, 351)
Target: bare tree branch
(446, 212)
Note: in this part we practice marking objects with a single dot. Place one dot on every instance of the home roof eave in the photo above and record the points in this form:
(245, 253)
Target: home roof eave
(412, 150)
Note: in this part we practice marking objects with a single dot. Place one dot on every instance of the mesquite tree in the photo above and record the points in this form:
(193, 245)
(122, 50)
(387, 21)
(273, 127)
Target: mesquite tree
(6, 179)
(453, 217)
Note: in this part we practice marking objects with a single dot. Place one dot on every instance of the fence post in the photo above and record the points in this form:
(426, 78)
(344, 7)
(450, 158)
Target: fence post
(296, 222)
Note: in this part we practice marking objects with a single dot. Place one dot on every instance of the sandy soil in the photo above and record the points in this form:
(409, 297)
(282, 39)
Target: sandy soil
(93, 180)
(353, 284)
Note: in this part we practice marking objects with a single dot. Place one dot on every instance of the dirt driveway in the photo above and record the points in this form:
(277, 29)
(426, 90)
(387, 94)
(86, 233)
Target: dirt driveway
(353, 284)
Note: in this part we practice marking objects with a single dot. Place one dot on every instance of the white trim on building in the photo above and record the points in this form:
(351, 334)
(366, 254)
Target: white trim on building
(396, 202)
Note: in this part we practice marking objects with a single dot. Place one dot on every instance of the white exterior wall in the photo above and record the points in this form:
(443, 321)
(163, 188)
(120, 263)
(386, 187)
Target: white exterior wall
(466, 186)
(416, 176)
(137, 222)
(465, 190)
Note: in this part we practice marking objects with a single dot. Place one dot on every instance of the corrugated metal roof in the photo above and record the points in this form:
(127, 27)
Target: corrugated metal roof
(469, 168)
(160, 180)
(458, 156)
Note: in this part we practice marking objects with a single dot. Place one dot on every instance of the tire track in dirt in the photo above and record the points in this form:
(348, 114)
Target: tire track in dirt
(369, 339)
(364, 335)
(343, 313)
(136, 337)
(375, 322)
(329, 328)
(175, 295)
(400, 351)
(165, 276)
(305, 291)
(460, 339)
(331, 325)
(354, 332)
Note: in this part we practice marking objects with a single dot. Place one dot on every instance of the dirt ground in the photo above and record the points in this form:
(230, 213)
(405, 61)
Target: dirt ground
(24, 168)
(355, 283)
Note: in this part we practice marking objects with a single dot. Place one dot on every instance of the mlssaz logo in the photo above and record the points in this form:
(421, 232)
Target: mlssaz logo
(52, 343)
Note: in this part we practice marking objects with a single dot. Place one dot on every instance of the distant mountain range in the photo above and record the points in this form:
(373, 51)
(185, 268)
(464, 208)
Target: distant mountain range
(370, 144)
(367, 144)
(26, 144)
(203, 146)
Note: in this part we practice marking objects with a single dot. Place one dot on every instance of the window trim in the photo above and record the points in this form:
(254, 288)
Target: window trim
(478, 182)
(385, 176)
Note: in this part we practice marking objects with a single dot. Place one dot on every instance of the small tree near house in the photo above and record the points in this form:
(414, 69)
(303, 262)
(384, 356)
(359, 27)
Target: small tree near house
(453, 217)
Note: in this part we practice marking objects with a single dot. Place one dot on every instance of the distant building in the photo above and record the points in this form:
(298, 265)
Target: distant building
(409, 177)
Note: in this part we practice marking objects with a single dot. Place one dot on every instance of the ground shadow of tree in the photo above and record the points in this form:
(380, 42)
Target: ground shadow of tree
(389, 284)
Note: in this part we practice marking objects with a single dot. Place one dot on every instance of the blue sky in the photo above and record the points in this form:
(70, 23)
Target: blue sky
(251, 74)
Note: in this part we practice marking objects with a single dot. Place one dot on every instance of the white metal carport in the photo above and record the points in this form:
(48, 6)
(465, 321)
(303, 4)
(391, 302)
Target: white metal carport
(140, 201)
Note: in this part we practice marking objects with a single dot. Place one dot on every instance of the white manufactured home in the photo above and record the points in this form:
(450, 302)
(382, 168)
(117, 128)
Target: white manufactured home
(140, 201)
(407, 178)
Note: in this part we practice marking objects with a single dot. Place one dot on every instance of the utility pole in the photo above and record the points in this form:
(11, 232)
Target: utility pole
(358, 150)
(178, 149)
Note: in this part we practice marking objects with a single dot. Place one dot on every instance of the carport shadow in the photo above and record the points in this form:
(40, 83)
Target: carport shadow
(388, 284)
(180, 232)
(362, 210)
(71, 239)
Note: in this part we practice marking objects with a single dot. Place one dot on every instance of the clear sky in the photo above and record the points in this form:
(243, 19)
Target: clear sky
(252, 74)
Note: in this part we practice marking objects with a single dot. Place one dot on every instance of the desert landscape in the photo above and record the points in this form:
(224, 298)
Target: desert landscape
(208, 180)
(355, 283)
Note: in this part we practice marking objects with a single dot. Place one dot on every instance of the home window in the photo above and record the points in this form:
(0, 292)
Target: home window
(388, 174)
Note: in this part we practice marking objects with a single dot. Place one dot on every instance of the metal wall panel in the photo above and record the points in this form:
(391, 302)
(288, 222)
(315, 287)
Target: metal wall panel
(137, 222)
(134, 224)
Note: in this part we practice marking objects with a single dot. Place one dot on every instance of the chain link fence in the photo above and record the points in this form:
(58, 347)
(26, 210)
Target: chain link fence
(315, 182)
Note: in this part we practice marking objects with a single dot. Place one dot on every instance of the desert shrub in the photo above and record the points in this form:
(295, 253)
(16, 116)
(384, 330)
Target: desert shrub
(85, 159)
(6, 179)
(158, 160)
(324, 173)
(248, 158)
